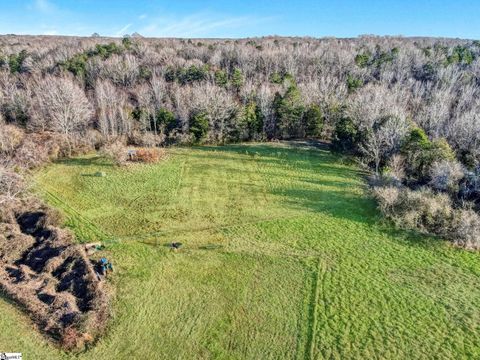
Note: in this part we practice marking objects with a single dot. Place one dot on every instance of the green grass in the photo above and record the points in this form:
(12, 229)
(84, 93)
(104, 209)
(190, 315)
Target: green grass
(284, 257)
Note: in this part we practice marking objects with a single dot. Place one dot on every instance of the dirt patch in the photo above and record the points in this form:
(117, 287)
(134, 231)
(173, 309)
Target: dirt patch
(51, 277)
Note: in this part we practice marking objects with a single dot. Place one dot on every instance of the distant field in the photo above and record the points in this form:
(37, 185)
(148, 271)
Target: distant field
(284, 258)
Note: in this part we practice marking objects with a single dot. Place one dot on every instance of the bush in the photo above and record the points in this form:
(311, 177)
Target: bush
(31, 154)
(237, 78)
(387, 198)
(221, 78)
(152, 155)
(353, 83)
(11, 186)
(117, 152)
(395, 169)
(10, 138)
(422, 210)
(445, 175)
(430, 213)
(362, 60)
(465, 229)
(38, 149)
(145, 139)
(94, 139)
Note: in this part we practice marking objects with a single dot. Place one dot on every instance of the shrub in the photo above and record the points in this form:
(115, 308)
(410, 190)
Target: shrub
(94, 139)
(465, 229)
(31, 154)
(152, 155)
(15, 61)
(429, 213)
(145, 139)
(37, 149)
(445, 175)
(10, 138)
(362, 60)
(117, 152)
(221, 78)
(395, 169)
(353, 83)
(387, 198)
(11, 186)
(237, 78)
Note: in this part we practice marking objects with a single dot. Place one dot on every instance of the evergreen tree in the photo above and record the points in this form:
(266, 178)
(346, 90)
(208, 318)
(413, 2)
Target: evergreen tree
(289, 111)
(165, 120)
(199, 126)
(221, 78)
(237, 78)
(253, 120)
(313, 121)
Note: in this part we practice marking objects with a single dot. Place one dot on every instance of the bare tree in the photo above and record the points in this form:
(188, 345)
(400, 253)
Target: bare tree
(113, 111)
(219, 106)
(378, 113)
(60, 105)
(121, 70)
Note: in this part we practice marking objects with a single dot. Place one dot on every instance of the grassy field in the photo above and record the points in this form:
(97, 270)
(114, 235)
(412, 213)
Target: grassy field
(284, 257)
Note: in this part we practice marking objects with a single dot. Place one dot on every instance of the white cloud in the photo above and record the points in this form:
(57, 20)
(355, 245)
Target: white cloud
(43, 6)
(143, 16)
(198, 25)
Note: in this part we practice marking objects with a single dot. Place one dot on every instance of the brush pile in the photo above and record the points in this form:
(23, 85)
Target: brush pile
(49, 276)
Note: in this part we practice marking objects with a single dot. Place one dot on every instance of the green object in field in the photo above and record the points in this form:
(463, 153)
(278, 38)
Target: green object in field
(100, 174)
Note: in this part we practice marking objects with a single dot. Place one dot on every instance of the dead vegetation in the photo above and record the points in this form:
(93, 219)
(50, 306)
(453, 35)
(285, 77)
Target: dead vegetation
(121, 155)
(51, 277)
(148, 155)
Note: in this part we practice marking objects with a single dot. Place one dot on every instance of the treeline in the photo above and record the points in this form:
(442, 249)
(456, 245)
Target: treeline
(407, 108)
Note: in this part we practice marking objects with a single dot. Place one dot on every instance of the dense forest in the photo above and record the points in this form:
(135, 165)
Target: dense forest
(407, 109)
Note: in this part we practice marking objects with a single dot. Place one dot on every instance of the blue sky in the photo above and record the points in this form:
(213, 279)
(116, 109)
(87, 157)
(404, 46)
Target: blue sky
(208, 18)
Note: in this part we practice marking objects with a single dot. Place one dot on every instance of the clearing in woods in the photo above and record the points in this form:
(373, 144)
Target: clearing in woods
(284, 257)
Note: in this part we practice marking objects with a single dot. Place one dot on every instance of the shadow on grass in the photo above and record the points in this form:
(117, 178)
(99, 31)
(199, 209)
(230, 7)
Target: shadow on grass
(91, 175)
(338, 203)
(96, 160)
(271, 155)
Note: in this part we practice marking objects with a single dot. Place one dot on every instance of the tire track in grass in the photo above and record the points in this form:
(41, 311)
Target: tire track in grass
(76, 216)
(180, 178)
(141, 237)
(317, 280)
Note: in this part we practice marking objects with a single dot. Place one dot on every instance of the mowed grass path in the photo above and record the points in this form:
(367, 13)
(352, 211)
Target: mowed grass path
(284, 258)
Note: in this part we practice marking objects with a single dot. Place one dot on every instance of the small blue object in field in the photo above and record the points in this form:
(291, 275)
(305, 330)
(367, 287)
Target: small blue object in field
(100, 174)
(105, 265)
